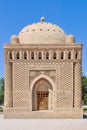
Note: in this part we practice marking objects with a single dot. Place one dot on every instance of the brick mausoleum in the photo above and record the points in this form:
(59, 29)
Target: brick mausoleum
(42, 73)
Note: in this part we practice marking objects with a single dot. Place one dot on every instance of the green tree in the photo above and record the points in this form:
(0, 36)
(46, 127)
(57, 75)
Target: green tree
(84, 89)
(1, 90)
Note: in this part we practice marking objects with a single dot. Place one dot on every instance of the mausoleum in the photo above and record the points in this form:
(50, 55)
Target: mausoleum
(43, 73)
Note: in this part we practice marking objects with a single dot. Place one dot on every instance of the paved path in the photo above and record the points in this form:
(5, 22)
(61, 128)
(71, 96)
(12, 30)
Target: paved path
(42, 124)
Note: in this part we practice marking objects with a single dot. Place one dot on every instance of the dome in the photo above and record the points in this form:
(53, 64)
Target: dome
(41, 33)
(70, 39)
(14, 39)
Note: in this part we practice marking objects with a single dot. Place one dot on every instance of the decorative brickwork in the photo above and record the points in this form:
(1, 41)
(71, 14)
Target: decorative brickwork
(64, 90)
(8, 85)
(42, 74)
(77, 85)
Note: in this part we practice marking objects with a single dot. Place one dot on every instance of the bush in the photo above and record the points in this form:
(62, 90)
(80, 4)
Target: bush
(1, 91)
(1, 97)
(1, 109)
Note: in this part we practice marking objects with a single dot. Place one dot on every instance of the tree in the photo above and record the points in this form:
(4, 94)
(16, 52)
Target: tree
(1, 90)
(84, 89)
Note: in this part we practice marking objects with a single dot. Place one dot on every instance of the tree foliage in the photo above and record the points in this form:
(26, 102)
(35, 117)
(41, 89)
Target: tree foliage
(1, 90)
(84, 89)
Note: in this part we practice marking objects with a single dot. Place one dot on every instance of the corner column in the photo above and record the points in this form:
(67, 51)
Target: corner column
(8, 100)
(77, 85)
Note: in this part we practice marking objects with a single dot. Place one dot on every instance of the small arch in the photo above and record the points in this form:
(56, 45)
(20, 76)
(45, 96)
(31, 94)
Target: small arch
(32, 55)
(10, 55)
(39, 55)
(62, 55)
(69, 55)
(47, 55)
(17, 55)
(25, 55)
(54, 55)
(76, 55)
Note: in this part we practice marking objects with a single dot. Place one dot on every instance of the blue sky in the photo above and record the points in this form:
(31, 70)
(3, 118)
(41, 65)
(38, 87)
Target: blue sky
(70, 15)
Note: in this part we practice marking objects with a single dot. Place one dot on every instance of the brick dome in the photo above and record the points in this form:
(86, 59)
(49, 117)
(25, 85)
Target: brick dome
(41, 33)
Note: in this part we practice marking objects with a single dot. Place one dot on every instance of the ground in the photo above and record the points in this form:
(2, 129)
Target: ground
(42, 124)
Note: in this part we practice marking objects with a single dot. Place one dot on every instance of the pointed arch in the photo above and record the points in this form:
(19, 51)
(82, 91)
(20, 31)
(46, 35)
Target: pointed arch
(44, 77)
(42, 86)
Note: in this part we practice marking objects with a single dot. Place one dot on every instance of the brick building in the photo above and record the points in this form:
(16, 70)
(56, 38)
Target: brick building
(42, 73)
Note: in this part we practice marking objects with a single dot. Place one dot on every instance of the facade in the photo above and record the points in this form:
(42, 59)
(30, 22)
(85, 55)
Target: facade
(42, 73)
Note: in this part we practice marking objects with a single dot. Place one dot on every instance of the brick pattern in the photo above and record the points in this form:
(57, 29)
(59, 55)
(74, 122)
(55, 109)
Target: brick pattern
(20, 74)
(20, 93)
(63, 95)
(69, 113)
(65, 74)
(34, 73)
(77, 85)
(8, 85)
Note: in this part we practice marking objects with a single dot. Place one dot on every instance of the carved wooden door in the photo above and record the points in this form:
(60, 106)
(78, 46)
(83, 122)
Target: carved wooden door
(42, 100)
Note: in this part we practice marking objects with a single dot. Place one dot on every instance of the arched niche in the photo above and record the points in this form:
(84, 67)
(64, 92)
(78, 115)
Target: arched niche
(42, 94)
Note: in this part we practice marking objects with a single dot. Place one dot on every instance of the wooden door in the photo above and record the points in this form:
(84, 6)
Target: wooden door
(42, 100)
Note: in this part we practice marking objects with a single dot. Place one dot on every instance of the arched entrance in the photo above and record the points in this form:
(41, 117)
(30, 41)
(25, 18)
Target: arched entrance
(41, 95)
